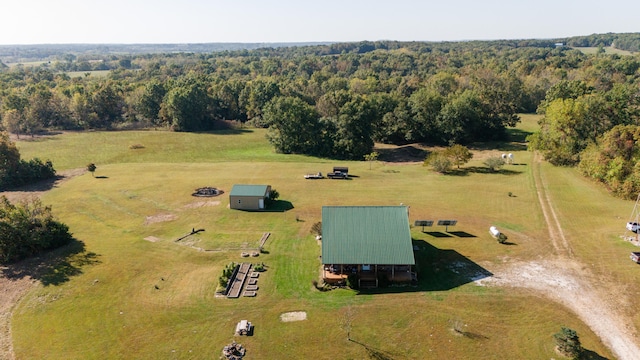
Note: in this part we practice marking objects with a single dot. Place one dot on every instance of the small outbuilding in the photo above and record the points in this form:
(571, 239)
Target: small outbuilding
(249, 197)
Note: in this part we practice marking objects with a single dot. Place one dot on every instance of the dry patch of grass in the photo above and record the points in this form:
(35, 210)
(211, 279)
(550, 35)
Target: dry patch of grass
(293, 316)
(200, 204)
(159, 218)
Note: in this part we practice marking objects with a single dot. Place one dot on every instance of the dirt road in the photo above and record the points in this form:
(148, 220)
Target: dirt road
(563, 279)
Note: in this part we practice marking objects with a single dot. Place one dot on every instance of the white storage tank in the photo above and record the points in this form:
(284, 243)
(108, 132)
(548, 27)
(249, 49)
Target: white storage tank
(494, 231)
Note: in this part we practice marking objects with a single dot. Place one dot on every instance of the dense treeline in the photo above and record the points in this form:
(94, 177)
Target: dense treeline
(628, 41)
(27, 229)
(364, 92)
(615, 160)
(15, 172)
(336, 100)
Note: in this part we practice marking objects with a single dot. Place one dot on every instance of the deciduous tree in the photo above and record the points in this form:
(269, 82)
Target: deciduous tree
(294, 126)
(459, 154)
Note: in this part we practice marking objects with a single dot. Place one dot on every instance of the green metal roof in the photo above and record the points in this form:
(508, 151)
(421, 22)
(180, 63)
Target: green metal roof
(366, 235)
(249, 190)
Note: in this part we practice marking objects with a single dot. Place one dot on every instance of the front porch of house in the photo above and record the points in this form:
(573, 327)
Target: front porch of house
(368, 275)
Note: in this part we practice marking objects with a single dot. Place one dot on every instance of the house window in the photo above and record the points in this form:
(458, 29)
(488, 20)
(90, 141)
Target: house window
(366, 267)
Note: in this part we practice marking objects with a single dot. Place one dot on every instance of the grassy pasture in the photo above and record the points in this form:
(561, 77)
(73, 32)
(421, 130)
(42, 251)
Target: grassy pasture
(92, 73)
(111, 308)
(607, 50)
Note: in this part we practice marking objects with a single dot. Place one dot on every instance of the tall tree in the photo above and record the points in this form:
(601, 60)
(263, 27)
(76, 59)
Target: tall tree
(107, 102)
(257, 94)
(354, 135)
(426, 105)
(558, 137)
(150, 101)
(186, 106)
(294, 126)
(9, 159)
(459, 154)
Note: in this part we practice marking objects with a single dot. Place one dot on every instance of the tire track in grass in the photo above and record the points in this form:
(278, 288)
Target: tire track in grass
(556, 234)
(566, 281)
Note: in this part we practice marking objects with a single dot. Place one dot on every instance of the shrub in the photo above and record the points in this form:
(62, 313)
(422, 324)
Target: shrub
(91, 167)
(352, 281)
(27, 229)
(568, 343)
(439, 162)
(494, 163)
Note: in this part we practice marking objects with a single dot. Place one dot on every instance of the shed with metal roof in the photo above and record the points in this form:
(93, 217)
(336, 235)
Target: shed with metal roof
(249, 197)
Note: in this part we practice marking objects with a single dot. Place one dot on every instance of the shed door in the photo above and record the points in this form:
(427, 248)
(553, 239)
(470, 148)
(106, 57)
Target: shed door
(261, 204)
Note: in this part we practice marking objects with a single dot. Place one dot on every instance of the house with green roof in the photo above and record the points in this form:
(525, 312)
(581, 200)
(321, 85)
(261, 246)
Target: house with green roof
(249, 197)
(370, 242)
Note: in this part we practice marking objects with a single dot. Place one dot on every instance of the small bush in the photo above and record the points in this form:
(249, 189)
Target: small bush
(136, 146)
(274, 195)
(494, 163)
(439, 162)
(352, 281)
(568, 343)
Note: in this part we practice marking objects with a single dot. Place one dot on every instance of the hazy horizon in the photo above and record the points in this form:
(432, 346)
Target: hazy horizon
(129, 22)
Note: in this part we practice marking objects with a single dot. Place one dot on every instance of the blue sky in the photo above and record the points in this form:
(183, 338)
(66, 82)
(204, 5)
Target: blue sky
(196, 21)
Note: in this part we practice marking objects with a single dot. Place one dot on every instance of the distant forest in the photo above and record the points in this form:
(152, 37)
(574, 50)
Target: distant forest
(335, 100)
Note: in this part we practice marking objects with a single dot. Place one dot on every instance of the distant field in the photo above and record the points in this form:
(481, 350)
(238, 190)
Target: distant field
(94, 73)
(607, 50)
(27, 63)
(139, 299)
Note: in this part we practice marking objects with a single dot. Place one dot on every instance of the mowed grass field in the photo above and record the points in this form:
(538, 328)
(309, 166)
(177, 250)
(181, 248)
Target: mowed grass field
(124, 297)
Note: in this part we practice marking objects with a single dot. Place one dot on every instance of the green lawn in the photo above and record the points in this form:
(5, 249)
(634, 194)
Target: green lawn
(129, 298)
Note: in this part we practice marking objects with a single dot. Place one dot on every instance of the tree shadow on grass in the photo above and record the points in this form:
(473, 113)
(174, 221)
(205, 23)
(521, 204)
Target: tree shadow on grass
(400, 154)
(591, 355)
(481, 170)
(55, 267)
(42, 185)
(518, 135)
(373, 353)
(225, 129)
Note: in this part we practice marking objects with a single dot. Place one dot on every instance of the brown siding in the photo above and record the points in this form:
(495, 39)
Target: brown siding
(245, 202)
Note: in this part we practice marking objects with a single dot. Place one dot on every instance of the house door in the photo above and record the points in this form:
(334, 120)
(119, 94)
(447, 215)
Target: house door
(261, 204)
